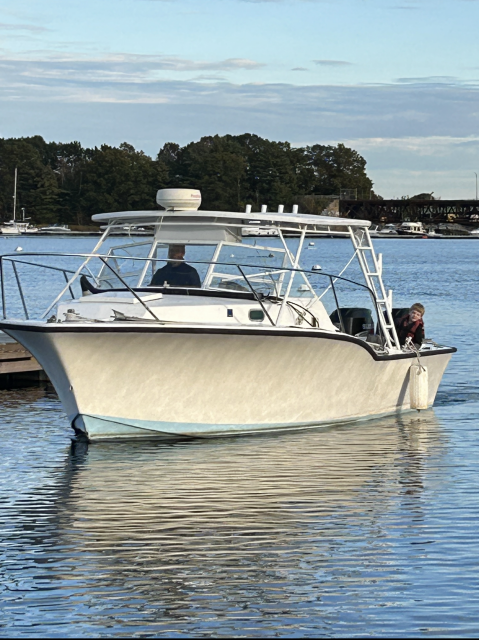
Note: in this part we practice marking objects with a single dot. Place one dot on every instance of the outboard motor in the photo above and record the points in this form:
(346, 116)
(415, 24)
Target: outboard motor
(399, 312)
(354, 319)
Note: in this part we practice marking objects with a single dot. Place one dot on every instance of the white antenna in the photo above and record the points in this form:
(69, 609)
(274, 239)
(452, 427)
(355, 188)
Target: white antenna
(264, 208)
(295, 208)
(15, 195)
(248, 208)
(280, 208)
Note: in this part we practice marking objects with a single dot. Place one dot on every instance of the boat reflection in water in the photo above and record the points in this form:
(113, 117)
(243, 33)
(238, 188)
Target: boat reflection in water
(162, 532)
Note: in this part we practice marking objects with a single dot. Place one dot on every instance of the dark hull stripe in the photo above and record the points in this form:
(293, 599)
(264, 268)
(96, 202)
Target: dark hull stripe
(65, 328)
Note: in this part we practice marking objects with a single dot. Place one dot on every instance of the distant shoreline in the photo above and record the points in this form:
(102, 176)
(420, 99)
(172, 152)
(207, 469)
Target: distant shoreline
(85, 234)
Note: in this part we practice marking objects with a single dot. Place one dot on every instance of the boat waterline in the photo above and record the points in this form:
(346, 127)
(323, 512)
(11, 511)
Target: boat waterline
(248, 381)
(98, 428)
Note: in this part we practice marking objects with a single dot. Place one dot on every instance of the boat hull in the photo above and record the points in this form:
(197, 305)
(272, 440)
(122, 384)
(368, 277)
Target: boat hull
(10, 232)
(412, 234)
(168, 382)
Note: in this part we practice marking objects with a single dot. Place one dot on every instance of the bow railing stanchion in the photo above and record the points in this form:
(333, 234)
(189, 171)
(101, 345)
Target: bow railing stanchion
(263, 302)
(66, 280)
(78, 271)
(256, 295)
(4, 305)
(20, 291)
(130, 289)
(340, 316)
(293, 271)
(47, 266)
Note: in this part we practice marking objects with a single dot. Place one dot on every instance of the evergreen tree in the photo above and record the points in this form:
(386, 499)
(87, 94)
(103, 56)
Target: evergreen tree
(215, 165)
(118, 179)
(37, 188)
(65, 183)
(337, 168)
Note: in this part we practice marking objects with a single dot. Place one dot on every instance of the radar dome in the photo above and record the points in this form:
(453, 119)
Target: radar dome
(179, 199)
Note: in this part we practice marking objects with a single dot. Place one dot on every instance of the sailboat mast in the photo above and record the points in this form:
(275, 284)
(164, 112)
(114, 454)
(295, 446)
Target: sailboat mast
(15, 195)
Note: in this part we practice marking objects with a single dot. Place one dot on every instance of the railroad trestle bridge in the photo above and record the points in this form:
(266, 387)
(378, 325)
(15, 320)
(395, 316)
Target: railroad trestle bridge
(465, 212)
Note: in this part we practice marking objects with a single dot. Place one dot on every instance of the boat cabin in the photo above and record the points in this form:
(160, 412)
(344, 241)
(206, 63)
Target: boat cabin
(236, 279)
(411, 228)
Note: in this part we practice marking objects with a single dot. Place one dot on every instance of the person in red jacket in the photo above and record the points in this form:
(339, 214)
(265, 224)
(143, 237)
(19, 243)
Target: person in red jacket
(412, 325)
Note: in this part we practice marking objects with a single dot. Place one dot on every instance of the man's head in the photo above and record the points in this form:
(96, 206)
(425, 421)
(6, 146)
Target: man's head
(416, 312)
(176, 252)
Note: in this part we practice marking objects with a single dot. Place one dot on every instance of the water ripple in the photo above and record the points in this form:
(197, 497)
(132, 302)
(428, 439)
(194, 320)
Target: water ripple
(365, 529)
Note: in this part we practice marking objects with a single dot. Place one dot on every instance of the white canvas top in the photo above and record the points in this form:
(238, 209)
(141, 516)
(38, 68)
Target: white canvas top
(269, 218)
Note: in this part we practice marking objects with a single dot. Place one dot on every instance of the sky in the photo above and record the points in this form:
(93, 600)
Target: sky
(397, 80)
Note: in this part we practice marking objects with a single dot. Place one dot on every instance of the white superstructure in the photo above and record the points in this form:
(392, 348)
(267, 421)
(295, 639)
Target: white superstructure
(412, 229)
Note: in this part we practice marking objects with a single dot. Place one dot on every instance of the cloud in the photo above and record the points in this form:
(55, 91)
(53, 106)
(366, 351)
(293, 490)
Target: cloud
(332, 63)
(413, 126)
(406, 149)
(299, 69)
(428, 151)
(401, 166)
(450, 80)
(31, 28)
(118, 68)
(204, 77)
(370, 111)
(402, 7)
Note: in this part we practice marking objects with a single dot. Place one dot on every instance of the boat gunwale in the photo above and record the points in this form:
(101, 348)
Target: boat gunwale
(290, 332)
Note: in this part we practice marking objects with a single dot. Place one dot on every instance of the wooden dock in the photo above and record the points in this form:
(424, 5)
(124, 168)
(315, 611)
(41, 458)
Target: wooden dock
(17, 365)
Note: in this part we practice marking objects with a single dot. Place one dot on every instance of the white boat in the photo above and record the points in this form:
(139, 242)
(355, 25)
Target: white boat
(14, 227)
(55, 228)
(256, 229)
(432, 233)
(388, 230)
(260, 345)
(412, 229)
(10, 229)
(259, 232)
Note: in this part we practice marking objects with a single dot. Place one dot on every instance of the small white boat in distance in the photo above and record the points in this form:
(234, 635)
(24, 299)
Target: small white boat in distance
(55, 228)
(14, 228)
(10, 229)
(412, 229)
(432, 233)
(388, 230)
(258, 232)
(197, 332)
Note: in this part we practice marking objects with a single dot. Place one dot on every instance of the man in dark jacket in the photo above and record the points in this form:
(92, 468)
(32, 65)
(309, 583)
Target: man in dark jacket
(412, 325)
(176, 273)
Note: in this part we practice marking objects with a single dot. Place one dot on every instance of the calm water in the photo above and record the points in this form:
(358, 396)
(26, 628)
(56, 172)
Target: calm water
(360, 530)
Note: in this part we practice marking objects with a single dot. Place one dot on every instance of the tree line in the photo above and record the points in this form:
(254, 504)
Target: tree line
(65, 183)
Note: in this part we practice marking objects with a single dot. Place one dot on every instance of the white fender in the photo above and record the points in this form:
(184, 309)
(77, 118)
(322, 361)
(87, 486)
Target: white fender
(418, 386)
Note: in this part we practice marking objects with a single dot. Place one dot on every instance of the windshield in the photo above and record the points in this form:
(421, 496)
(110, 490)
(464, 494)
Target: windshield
(242, 267)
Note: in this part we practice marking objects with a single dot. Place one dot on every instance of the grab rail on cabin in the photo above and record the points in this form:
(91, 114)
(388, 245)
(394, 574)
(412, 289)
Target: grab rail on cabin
(14, 259)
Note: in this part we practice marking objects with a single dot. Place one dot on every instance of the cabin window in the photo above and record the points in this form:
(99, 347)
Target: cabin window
(257, 315)
(267, 277)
